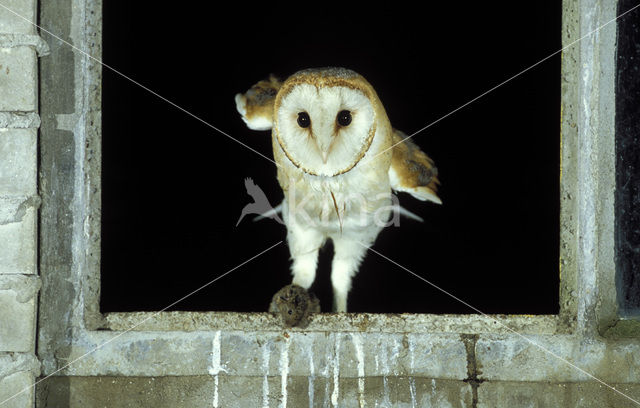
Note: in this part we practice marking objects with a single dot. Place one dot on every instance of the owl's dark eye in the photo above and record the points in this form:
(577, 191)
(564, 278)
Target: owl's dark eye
(304, 120)
(344, 118)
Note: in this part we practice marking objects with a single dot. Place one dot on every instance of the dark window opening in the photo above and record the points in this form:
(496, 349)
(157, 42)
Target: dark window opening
(173, 188)
(628, 161)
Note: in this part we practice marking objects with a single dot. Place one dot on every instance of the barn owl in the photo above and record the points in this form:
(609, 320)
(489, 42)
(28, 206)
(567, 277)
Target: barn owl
(338, 160)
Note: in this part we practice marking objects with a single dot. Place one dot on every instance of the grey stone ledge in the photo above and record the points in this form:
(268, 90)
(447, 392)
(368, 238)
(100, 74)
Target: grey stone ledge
(22, 40)
(11, 363)
(332, 322)
(19, 120)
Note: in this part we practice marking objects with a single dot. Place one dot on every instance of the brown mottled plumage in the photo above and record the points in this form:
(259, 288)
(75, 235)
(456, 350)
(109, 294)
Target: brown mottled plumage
(414, 171)
(258, 103)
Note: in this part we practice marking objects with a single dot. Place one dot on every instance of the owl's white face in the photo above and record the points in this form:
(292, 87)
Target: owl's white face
(325, 131)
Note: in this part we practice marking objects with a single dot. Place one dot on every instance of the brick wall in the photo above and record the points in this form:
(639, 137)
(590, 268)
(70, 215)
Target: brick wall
(20, 47)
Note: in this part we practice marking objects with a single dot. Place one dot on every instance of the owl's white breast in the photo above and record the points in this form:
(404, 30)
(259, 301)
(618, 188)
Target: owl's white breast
(362, 195)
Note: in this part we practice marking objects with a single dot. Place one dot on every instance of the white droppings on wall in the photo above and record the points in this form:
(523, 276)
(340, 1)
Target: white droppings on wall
(284, 370)
(384, 356)
(412, 390)
(265, 379)
(311, 377)
(215, 366)
(324, 373)
(336, 369)
(434, 395)
(357, 344)
(395, 356)
(215, 392)
(411, 353)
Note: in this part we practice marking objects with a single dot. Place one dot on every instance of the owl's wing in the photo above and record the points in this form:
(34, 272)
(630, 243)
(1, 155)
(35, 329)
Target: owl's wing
(256, 105)
(412, 171)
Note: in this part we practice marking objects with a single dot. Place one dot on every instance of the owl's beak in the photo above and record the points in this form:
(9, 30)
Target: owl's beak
(325, 145)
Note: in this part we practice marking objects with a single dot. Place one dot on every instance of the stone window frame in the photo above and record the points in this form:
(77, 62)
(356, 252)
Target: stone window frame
(71, 325)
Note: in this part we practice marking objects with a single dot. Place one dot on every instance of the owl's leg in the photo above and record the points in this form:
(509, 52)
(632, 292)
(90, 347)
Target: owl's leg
(346, 260)
(304, 245)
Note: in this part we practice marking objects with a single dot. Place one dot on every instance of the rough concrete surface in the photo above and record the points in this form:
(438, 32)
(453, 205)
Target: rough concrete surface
(18, 300)
(18, 163)
(18, 75)
(242, 392)
(14, 40)
(400, 392)
(17, 236)
(549, 394)
(19, 49)
(13, 384)
(20, 120)
(16, 19)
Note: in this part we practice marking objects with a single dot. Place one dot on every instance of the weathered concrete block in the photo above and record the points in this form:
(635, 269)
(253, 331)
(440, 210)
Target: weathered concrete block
(11, 363)
(434, 393)
(158, 392)
(18, 79)
(16, 390)
(19, 120)
(18, 162)
(569, 395)
(350, 354)
(18, 237)
(20, 23)
(241, 392)
(154, 354)
(559, 358)
(398, 392)
(18, 308)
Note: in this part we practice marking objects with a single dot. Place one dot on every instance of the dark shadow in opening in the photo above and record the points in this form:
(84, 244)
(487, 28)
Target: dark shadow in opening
(173, 188)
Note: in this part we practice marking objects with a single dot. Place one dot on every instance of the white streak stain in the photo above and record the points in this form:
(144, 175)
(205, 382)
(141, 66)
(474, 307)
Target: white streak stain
(311, 379)
(433, 391)
(411, 353)
(412, 390)
(357, 343)
(336, 371)
(215, 392)
(385, 369)
(385, 385)
(265, 380)
(325, 374)
(284, 371)
(326, 394)
(215, 367)
(395, 355)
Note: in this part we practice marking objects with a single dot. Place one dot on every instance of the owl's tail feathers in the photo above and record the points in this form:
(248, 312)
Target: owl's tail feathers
(272, 213)
(256, 105)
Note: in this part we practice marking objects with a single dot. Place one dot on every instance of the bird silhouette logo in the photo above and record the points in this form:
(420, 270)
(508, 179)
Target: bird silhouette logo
(260, 204)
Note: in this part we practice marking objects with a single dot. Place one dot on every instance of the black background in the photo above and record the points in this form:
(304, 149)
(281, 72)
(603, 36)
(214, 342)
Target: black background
(173, 188)
(628, 160)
